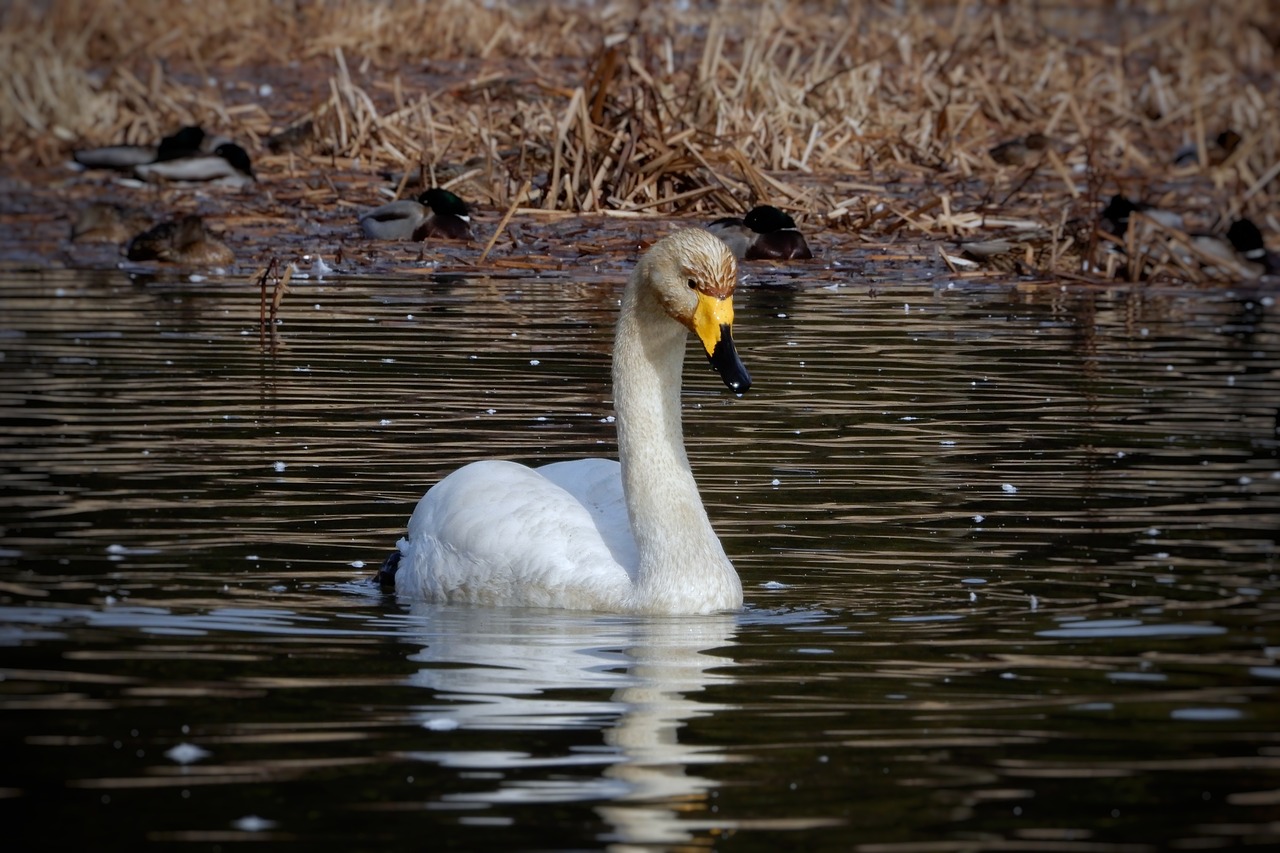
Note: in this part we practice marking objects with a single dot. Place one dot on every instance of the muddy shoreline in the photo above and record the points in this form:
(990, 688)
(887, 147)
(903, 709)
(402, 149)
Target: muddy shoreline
(591, 131)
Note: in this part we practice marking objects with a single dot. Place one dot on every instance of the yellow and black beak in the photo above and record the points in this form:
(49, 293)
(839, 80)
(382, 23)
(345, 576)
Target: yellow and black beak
(713, 324)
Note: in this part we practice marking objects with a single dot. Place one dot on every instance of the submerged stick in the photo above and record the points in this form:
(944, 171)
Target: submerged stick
(262, 276)
(282, 285)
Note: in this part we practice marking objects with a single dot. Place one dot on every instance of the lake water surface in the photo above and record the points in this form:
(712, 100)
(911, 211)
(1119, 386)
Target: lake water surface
(1009, 552)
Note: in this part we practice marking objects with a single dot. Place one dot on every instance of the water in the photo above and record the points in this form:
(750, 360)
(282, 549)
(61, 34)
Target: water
(1009, 554)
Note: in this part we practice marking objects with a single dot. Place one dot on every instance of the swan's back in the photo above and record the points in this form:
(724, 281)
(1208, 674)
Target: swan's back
(597, 485)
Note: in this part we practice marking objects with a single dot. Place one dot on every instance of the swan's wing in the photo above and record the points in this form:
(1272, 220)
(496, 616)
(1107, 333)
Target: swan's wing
(498, 533)
(597, 484)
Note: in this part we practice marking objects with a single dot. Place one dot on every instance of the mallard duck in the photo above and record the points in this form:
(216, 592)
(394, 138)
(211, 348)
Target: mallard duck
(291, 138)
(765, 232)
(1162, 237)
(104, 222)
(182, 241)
(435, 213)
(1219, 148)
(1116, 215)
(1018, 152)
(1246, 239)
(185, 142)
(629, 536)
(228, 165)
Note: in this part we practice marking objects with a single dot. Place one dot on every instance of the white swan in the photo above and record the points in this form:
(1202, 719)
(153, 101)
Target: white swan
(593, 534)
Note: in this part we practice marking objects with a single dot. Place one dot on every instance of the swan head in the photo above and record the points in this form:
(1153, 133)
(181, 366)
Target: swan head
(694, 274)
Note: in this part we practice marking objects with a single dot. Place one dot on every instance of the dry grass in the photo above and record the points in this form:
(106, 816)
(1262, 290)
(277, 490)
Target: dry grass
(877, 121)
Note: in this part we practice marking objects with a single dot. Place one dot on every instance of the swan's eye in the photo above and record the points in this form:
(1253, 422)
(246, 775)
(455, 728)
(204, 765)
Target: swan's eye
(693, 284)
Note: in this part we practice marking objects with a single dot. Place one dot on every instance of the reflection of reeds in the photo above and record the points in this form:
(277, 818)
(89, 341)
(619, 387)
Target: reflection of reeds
(945, 121)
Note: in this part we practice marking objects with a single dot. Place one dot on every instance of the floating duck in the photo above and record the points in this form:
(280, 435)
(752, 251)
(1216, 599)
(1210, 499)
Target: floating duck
(765, 232)
(185, 142)
(104, 222)
(228, 165)
(435, 213)
(630, 536)
(182, 241)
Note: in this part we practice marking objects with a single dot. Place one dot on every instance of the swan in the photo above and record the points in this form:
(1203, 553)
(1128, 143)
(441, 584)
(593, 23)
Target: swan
(626, 536)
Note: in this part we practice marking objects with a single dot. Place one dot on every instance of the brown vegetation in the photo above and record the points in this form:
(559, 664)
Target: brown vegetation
(952, 122)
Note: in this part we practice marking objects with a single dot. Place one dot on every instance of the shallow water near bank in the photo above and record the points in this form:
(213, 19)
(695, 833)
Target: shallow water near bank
(1009, 554)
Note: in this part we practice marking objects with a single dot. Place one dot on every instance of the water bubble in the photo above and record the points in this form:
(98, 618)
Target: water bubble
(186, 753)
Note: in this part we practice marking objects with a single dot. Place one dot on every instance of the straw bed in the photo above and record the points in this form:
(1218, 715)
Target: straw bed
(878, 121)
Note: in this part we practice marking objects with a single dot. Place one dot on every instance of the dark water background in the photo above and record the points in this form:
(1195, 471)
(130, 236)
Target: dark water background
(1009, 554)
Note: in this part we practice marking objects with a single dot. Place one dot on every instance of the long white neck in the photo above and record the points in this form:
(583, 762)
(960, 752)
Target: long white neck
(683, 568)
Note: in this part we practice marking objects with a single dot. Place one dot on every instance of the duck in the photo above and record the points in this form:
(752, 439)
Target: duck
(1246, 238)
(622, 536)
(1116, 215)
(104, 222)
(435, 213)
(183, 241)
(227, 165)
(765, 232)
(1219, 149)
(1162, 237)
(291, 138)
(184, 142)
(1019, 151)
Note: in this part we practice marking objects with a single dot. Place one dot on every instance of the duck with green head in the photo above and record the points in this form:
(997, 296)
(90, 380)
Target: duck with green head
(185, 142)
(1246, 238)
(435, 213)
(227, 165)
(765, 232)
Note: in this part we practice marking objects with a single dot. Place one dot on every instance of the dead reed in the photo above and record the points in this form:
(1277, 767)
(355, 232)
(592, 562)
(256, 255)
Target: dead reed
(1012, 121)
(278, 275)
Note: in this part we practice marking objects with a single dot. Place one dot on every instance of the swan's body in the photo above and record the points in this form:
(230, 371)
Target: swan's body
(594, 534)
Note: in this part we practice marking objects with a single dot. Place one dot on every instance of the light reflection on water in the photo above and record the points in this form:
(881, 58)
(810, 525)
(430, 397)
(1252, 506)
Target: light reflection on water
(1010, 559)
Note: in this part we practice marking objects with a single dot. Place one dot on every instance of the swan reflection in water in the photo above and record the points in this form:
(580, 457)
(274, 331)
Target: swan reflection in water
(505, 669)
